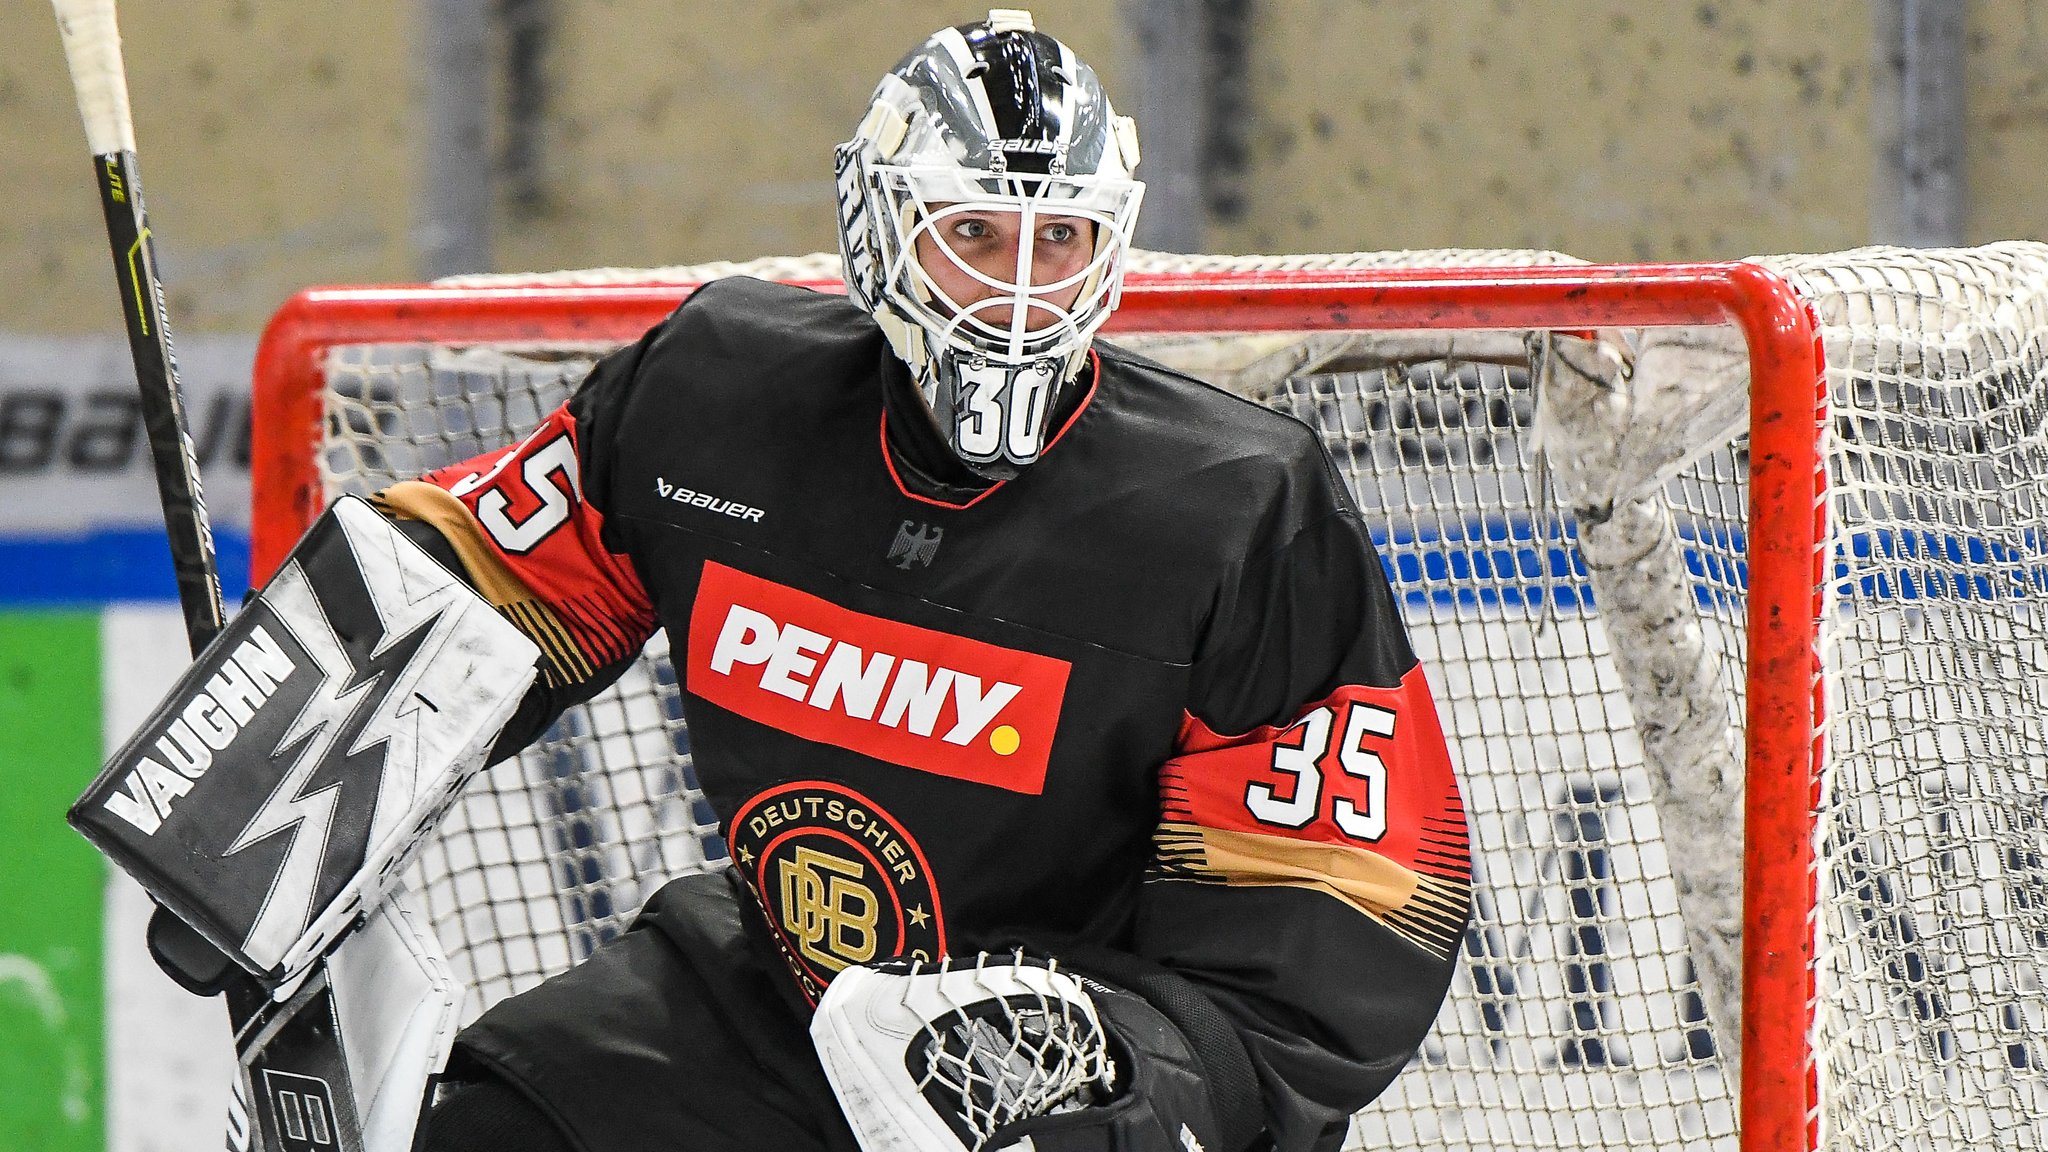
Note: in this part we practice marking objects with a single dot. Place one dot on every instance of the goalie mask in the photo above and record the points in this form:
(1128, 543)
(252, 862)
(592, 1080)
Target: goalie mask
(984, 135)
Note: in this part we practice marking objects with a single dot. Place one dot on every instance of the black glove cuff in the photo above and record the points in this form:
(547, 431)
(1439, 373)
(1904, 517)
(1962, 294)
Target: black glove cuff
(1207, 1041)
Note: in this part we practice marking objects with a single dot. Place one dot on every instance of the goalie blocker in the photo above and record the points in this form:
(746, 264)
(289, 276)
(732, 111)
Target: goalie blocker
(281, 787)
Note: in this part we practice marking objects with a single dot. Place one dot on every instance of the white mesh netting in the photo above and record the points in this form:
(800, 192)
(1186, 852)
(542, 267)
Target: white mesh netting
(1564, 519)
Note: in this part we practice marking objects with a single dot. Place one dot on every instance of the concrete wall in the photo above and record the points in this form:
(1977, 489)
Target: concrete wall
(275, 145)
(2007, 106)
(279, 141)
(1605, 128)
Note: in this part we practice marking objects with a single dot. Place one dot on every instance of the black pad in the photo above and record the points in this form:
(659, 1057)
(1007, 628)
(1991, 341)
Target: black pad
(489, 1115)
(186, 957)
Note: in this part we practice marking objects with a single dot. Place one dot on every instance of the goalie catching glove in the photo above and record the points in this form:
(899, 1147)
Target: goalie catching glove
(1006, 1053)
(281, 787)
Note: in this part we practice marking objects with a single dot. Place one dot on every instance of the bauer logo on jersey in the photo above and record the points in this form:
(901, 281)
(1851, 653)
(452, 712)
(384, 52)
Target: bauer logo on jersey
(839, 879)
(691, 498)
(912, 696)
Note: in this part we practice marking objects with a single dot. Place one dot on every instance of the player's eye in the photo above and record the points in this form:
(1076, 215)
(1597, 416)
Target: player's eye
(972, 229)
(1059, 232)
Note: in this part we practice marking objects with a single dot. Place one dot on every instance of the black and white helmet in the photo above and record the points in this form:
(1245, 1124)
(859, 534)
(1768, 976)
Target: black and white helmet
(988, 117)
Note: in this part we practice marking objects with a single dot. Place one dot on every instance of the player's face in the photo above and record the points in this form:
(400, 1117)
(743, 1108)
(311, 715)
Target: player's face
(989, 242)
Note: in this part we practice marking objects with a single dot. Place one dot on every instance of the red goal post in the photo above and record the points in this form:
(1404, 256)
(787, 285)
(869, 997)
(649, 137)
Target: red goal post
(1785, 540)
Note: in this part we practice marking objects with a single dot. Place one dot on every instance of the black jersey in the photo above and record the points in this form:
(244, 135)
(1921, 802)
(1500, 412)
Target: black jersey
(1150, 697)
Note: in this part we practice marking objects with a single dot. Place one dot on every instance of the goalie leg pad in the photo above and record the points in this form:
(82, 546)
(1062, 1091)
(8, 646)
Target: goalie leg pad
(346, 1062)
(282, 785)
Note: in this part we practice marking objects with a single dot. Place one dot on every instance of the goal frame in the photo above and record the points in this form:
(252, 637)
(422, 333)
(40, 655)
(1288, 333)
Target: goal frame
(1786, 538)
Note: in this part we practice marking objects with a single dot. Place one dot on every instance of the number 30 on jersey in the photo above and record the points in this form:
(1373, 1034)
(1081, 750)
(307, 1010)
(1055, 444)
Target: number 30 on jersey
(1355, 775)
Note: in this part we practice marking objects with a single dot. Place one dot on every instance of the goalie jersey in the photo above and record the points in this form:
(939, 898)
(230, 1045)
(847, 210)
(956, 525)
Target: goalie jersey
(1149, 702)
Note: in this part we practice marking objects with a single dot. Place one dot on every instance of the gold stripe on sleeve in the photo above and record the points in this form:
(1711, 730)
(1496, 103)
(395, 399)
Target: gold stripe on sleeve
(494, 581)
(1427, 911)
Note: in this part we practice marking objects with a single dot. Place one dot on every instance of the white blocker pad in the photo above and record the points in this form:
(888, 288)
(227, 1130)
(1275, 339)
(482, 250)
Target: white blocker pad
(936, 1059)
(283, 784)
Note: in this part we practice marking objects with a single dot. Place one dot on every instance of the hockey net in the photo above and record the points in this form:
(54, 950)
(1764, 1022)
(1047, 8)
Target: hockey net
(1586, 483)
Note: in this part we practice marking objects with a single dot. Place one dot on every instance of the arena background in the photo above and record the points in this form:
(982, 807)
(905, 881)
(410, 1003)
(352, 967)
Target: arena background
(289, 145)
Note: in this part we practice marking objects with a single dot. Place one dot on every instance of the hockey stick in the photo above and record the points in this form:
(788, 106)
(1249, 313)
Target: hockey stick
(266, 1035)
(92, 44)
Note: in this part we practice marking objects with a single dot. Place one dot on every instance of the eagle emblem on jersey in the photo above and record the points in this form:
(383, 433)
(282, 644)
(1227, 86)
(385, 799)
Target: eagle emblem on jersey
(916, 544)
(839, 879)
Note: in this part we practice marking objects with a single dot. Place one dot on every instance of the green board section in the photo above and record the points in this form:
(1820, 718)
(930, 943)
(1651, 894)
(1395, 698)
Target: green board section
(51, 885)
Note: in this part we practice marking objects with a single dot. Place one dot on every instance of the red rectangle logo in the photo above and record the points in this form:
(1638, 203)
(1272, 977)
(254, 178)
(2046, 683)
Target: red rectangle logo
(912, 696)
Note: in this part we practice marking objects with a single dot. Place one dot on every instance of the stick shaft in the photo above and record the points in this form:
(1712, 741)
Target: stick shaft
(156, 373)
(92, 48)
